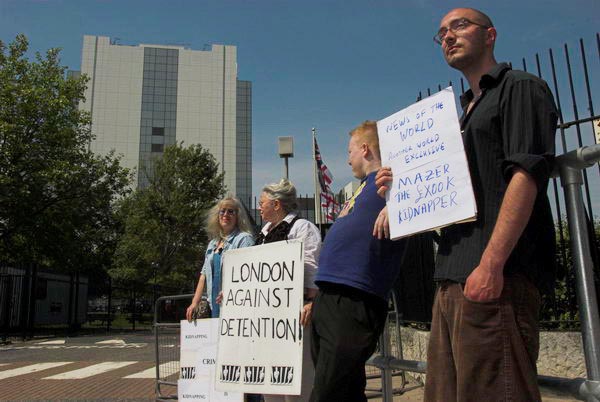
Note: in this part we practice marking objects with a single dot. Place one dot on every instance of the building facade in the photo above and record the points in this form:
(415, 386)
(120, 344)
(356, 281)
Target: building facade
(143, 98)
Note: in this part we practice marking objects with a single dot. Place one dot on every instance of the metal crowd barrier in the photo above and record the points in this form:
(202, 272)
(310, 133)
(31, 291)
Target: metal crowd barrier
(168, 311)
(389, 349)
(569, 169)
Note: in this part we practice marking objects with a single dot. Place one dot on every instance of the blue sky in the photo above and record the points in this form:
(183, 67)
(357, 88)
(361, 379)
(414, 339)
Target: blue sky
(328, 64)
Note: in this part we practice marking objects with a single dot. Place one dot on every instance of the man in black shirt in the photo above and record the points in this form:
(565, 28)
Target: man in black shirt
(484, 333)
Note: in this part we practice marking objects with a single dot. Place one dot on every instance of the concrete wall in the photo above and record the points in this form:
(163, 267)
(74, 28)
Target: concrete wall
(561, 353)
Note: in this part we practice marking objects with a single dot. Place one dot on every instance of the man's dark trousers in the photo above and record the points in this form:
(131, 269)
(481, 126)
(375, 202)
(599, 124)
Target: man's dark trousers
(346, 326)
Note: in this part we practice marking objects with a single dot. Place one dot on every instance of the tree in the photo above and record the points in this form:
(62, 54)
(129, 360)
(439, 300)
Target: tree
(164, 238)
(562, 305)
(56, 197)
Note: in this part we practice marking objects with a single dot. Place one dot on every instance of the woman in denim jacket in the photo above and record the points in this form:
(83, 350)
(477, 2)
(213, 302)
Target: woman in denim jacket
(228, 227)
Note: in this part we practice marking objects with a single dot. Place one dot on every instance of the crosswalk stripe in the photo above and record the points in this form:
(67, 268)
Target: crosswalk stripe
(111, 342)
(30, 369)
(89, 371)
(54, 342)
(151, 372)
(55, 347)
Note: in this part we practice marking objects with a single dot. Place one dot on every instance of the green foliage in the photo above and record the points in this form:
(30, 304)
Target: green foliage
(164, 238)
(561, 307)
(56, 197)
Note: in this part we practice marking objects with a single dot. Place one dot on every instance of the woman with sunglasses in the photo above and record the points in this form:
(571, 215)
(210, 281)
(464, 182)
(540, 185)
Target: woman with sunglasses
(228, 227)
(277, 206)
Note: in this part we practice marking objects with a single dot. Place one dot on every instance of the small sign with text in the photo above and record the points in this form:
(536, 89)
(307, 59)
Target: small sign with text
(432, 185)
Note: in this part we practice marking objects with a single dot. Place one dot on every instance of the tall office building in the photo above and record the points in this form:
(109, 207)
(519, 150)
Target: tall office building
(143, 98)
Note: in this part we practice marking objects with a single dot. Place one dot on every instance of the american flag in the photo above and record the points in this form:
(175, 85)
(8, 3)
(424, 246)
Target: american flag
(330, 206)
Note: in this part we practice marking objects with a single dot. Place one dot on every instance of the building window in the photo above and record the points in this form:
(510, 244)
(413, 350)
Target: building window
(158, 131)
(157, 147)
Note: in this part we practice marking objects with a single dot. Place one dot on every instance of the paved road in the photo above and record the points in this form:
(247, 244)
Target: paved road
(108, 368)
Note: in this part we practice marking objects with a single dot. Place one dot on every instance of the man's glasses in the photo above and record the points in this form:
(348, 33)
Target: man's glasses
(454, 27)
(227, 211)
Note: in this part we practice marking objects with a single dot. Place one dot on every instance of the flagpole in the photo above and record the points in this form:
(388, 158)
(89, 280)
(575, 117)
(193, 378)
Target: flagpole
(316, 178)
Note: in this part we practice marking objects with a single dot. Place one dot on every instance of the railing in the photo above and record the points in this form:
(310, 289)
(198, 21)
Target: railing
(167, 343)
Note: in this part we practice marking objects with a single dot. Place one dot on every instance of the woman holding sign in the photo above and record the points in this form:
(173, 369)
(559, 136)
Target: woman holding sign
(277, 205)
(228, 227)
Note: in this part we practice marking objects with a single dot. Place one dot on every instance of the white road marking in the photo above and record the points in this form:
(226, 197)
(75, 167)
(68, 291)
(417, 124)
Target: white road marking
(89, 371)
(151, 372)
(111, 342)
(33, 347)
(55, 342)
(30, 369)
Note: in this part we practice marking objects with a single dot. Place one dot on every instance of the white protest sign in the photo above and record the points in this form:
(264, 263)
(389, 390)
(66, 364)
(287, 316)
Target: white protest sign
(432, 185)
(197, 363)
(260, 336)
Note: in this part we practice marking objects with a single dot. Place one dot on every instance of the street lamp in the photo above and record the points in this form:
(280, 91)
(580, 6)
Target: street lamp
(286, 150)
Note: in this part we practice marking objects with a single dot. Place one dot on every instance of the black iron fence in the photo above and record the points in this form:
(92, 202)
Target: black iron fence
(38, 303)
(33, 300)
(119, 307)
(306, 210)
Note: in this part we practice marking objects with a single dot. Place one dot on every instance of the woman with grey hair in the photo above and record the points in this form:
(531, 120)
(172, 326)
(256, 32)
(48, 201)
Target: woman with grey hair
(277, 206)
(228, 227)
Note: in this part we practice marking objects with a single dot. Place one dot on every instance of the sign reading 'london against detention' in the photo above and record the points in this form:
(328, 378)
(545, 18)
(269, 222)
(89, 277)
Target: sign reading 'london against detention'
(432, 185)
(260, 336)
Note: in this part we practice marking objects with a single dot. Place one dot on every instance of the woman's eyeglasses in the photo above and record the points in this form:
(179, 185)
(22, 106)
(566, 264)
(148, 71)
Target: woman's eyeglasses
(227, 211)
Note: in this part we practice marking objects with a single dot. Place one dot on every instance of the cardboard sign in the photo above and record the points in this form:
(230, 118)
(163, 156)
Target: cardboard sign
(260, 336)
(432, 185)
(197, 363)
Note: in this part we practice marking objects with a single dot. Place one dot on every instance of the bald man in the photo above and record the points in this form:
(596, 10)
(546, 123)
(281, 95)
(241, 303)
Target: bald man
(484, 336)
(484, 333)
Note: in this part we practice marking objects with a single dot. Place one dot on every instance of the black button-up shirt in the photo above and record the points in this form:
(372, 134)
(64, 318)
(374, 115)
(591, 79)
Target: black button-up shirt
(512, 124)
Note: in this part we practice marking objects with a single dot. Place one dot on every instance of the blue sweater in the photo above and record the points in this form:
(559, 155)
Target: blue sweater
(351, 256)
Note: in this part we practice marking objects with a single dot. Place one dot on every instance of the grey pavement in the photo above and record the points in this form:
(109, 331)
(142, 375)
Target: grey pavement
(135, 346)
(85, 368)
(131, 354)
